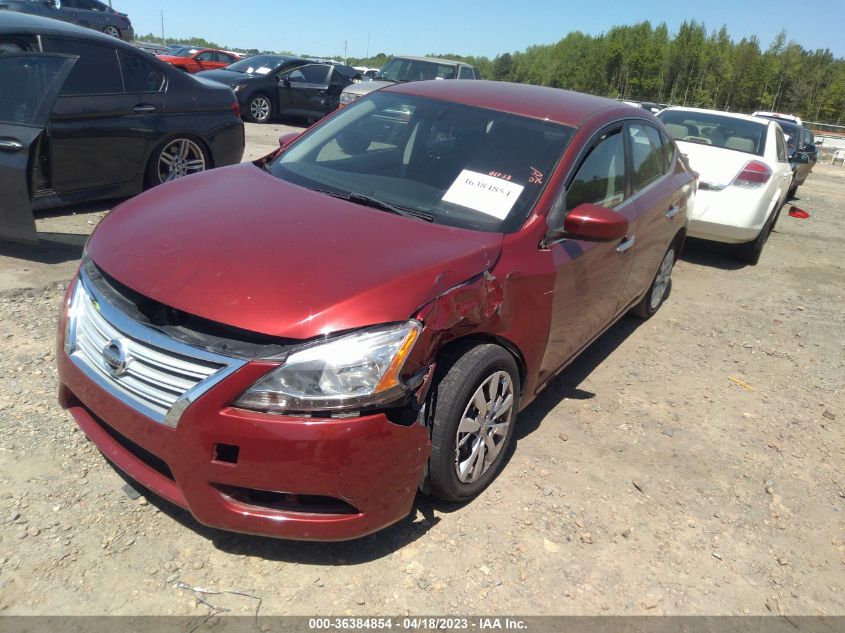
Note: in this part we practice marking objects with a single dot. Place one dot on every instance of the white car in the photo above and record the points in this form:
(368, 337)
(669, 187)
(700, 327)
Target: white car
(744, 175)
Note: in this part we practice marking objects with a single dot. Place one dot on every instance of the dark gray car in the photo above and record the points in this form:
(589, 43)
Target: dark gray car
(92, 14)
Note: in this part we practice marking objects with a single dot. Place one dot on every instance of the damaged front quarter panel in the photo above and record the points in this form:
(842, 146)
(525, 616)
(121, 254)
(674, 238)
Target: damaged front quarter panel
(472, 307)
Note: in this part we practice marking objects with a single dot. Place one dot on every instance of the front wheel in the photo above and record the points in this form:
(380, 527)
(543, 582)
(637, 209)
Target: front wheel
(259, 109)
(112, 31)
(176, 158)
(472, 411)
(659, 288)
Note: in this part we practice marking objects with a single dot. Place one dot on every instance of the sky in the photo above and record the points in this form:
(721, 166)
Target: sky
(468, 27)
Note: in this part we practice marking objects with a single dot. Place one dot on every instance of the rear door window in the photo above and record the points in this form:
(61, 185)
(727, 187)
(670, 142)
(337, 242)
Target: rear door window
(648, 161)
(96, 72)
(465, 73)
(601, 177)
(139, 75)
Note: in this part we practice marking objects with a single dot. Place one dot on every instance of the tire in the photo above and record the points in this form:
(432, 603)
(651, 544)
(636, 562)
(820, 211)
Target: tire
(459, 397)
(660, 285)
(259, 109)
(176, 158)
(111, 31)
(750, 252)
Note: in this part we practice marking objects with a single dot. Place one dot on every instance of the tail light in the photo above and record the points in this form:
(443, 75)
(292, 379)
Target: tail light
(754, 174)
(236, 108)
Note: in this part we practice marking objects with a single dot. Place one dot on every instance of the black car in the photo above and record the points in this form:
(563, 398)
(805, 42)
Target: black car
(800, 143)
(92, 14)
(113, 121)
(280, 85)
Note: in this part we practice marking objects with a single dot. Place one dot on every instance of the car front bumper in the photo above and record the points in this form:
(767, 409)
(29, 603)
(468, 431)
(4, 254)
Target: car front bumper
(290, 477)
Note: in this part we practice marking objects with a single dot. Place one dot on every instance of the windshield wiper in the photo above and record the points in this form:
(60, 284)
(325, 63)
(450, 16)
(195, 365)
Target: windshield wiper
(375, 203)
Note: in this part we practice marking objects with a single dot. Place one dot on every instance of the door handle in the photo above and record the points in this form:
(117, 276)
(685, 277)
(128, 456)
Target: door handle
(626, 244)
(145, 108)
(673, 211)
(10, 145)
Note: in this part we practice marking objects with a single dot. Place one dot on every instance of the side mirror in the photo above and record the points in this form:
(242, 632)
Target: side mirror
(801, 158)
(288, 138)
(592, 223)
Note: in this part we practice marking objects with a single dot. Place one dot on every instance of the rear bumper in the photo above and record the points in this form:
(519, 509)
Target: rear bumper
(367, 468)
(732, 215)
(228, 142)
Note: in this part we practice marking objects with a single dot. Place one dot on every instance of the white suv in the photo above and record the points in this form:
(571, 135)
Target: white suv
(401, 69)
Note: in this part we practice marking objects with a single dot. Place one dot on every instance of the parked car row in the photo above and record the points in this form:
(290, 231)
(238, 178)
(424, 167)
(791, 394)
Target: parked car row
(93, 118)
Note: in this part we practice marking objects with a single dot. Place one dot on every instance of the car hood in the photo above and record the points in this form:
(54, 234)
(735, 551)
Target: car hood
(227, 77)
(239, 246)
(366, 87)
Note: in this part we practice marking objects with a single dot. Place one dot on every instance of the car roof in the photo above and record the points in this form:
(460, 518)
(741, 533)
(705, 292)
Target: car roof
(14, 23)
(439, 60)
(732, 115)
(552, 104)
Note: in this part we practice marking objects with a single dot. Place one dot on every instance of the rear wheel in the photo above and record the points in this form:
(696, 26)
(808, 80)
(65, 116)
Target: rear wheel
(473, 408)
(259, 109)
(176, 158)
(750, 252)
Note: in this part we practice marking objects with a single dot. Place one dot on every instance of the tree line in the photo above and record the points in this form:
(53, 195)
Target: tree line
(694, 68)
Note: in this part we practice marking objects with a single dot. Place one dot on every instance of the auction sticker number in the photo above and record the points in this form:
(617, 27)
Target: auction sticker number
(484, 193)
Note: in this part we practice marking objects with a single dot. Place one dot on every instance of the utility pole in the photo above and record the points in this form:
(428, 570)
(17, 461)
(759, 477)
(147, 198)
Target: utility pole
(368, 44)
(162, 25)
(345, 43)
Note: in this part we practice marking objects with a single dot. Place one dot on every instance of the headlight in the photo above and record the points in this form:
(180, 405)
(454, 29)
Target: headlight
(347, 97)
(349, 372)
(238, 87)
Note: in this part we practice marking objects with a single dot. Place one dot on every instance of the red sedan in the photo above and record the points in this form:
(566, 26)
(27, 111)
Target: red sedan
(193, 60)
(364, 313)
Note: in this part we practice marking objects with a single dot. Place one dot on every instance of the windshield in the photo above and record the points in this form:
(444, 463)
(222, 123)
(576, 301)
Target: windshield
(445, 162)
(791, 132)
(398, 69)
(705, 128)
(257, 65)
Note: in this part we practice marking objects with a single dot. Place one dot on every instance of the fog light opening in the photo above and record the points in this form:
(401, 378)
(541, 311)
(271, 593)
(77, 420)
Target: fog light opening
(226, 453)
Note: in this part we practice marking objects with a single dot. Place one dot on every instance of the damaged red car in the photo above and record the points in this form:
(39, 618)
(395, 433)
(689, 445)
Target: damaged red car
(295, 347)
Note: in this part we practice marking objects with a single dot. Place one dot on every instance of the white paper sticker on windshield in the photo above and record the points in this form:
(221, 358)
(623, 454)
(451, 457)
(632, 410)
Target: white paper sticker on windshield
(263, 70)
(484, 193)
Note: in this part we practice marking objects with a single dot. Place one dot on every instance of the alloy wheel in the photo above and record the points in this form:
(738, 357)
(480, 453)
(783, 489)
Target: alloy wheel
(483, 428)
(259, 109)
(112, 31)
(179, 158)
(661, 282)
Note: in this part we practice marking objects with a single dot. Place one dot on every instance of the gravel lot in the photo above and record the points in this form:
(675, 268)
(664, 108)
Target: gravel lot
(692, 464)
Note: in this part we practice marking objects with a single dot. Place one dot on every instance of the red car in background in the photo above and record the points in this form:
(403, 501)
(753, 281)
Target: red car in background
(364, 313)
(193, 60)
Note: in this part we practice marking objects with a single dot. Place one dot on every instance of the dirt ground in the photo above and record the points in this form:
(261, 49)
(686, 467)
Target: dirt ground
(691, 464)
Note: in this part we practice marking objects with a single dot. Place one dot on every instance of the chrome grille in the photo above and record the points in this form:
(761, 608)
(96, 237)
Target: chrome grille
(161, 377)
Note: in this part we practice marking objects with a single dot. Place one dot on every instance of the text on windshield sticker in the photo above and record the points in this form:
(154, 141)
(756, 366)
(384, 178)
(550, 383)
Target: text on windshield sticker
(484, 193)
